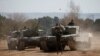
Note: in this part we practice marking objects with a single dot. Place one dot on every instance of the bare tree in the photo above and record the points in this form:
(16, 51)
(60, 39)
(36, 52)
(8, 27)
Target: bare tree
(18, 19)
(74, 11)
(31, 23)
(72, 14)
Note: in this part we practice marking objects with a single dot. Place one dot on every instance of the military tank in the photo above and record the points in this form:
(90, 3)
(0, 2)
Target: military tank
(22, 39)
(12, 40)
(60, 38)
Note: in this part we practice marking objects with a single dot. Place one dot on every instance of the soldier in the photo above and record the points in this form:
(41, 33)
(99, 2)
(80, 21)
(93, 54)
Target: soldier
(71, 23)
(25, 28)
(58, 29)
(58, 33)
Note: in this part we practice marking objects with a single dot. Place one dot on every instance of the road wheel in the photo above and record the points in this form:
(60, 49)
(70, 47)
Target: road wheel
(43, 46)
(12, 46)
(62, 47)
(72, 45)
(21, 45)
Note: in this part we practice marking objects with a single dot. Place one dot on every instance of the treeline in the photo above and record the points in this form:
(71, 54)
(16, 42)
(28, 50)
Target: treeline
(17, 22)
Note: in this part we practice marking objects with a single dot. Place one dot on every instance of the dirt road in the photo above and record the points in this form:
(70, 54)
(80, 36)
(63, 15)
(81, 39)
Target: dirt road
(36, 52)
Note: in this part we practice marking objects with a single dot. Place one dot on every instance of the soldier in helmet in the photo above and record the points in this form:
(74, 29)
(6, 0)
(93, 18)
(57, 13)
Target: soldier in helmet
(71, 23)
(58, 31)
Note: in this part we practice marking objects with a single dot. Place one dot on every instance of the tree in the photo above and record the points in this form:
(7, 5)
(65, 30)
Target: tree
(55, 20)
(88, 23)
(73, 14)
(31, 23)
(45, 24)
(2, 21)
(97, 25)
(74, 11)
(18, 19)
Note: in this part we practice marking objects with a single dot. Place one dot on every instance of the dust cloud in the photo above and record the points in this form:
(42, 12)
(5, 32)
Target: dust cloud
(88, 41)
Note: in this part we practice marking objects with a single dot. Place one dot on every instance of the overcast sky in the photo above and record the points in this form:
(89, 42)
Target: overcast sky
(86, 6)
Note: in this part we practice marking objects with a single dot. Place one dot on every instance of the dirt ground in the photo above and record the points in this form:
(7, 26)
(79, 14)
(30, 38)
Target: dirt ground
(95, 51)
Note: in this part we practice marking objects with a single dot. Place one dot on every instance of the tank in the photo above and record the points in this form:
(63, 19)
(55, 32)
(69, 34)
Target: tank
(20, 40)
(60, 38)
